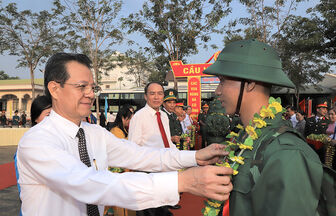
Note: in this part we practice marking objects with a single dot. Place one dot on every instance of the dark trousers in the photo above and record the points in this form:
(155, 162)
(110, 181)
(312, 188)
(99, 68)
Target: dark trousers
(204, 137)
(161, 211)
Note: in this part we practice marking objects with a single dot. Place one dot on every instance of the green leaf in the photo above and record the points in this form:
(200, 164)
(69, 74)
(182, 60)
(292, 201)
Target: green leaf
(248, 141)
(231, 154)
(256, 115)
(273, 110)
(271, 100)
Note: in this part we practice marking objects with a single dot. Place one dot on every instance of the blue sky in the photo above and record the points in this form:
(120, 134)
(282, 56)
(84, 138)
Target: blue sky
(8, 63)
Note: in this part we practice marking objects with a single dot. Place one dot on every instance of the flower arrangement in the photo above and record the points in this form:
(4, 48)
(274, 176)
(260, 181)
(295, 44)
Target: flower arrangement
(318, 140)
(186, 141)
(192, 136)
(248, 135)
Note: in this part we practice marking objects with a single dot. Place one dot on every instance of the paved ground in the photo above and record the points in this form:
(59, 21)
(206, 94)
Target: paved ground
(9, 201)
(9, 198)
(6, 154)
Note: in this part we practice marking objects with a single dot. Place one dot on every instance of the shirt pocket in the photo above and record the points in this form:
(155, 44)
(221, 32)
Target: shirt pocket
(242, 183)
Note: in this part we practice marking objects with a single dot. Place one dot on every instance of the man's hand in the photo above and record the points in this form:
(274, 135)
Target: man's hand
(333, 142)
(175, 139)
(211, 154)
(208, 181)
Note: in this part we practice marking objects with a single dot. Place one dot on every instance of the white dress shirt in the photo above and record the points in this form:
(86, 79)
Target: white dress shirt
(293, 120)
(110, 117)
(144, 129)
(185, 124)
(55, 182)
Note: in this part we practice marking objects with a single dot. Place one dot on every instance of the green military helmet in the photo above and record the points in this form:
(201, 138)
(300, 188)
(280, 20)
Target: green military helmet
(170, 94)
(250, 60)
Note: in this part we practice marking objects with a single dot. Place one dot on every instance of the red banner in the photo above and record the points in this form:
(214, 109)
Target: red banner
(185, 70)
(302, 105)
(194, 94)
(310, 107)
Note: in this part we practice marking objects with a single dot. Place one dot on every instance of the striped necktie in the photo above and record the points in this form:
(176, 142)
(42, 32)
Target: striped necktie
(92, 210)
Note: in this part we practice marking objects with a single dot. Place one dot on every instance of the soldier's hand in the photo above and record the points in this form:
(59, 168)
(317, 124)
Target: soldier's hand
(333, 142)
(175, 139)
(211, 154)
(208, 181)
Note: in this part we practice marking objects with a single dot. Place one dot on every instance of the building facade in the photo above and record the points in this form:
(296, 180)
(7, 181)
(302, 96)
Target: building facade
(17, 95)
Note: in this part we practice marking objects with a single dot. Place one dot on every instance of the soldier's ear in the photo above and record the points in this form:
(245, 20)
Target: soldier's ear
(249, 86)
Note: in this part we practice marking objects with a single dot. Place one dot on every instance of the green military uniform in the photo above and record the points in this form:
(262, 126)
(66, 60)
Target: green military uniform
(289, 183)
(203, 128)
(174, 124)
(218, 123)
(287, 179)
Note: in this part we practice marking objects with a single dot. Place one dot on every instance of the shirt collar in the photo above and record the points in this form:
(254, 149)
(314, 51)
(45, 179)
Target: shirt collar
(169, 113)
(70, 128)
(151, 110)
(318, 118)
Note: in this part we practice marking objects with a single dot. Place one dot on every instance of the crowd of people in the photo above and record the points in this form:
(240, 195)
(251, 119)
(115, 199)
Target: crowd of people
(322, 122)
(15, 121)
(140, 165)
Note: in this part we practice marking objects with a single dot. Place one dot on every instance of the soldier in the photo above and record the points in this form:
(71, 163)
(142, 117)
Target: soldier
(218, 123)
(169, 104)
(281, 175)
(202, 122)
(318, 124)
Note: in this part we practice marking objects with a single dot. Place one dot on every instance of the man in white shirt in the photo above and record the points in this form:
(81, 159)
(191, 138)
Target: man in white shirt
(145, 130)
(62, 162)
(185, 120)
(188, 114)
(291, 112)
(110, 119)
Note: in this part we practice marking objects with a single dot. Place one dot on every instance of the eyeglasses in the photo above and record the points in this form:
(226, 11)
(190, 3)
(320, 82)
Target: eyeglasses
(85, 88)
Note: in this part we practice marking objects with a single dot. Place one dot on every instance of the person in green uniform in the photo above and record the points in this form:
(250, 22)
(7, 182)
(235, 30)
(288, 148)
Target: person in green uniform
(288, 177)
(202, 123)
(169, 104)
(218, 123)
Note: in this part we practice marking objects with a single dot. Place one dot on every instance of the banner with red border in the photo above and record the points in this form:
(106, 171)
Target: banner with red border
(194, 94)
(185, 70)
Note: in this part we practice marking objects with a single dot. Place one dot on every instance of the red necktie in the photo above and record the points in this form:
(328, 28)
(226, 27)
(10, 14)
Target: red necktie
(162, 131)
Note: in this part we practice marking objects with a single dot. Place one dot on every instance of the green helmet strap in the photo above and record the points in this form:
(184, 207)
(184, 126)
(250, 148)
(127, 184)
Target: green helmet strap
(240, 97)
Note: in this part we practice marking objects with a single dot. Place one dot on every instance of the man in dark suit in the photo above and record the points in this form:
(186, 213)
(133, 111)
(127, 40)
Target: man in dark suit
(169, 104)
(318, 124)
(202, 122)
